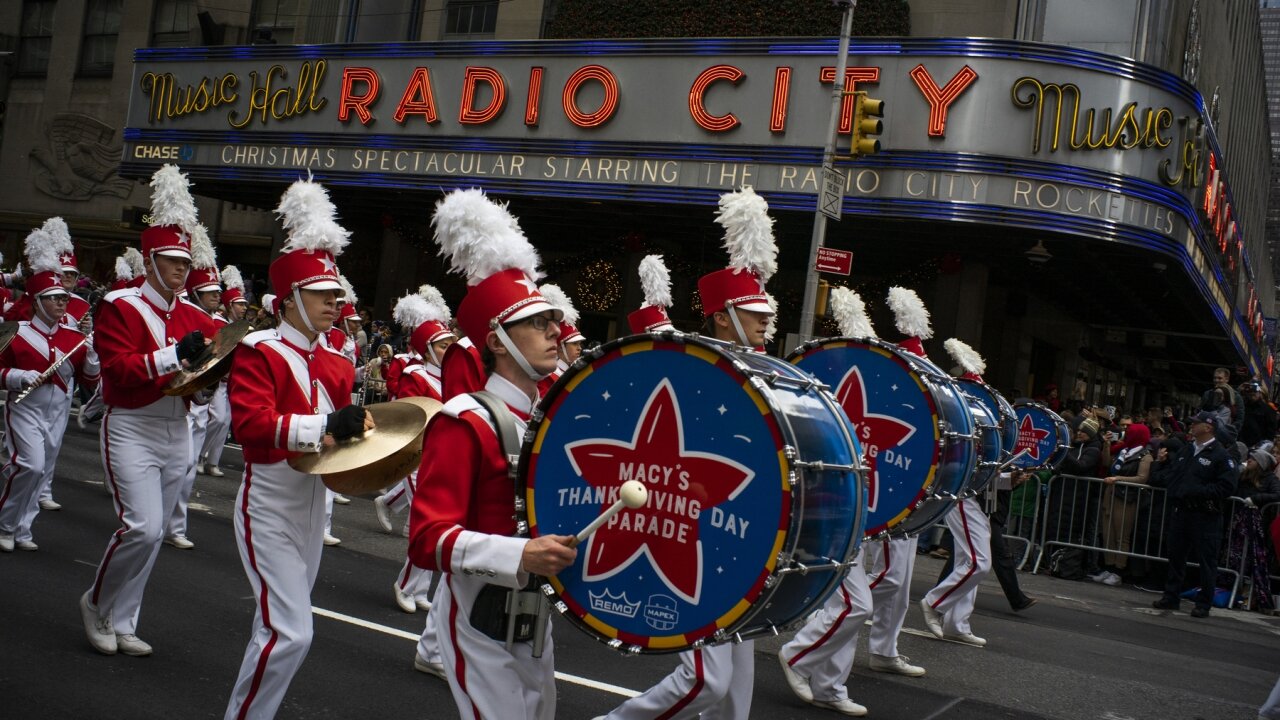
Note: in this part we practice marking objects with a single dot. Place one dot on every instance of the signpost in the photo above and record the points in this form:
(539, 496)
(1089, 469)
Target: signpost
(836, 262)
(832, 200)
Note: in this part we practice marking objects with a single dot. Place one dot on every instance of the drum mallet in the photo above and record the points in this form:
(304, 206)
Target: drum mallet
(633, 494)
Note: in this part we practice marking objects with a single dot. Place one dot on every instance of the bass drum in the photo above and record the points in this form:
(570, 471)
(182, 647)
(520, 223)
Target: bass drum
(998, 406)
(755, 496)
(911, 419)
(990, 447)
(1043, 436)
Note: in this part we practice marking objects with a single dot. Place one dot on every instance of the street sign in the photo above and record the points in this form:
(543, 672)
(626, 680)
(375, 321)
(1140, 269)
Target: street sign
(832, 200)
(837, 262)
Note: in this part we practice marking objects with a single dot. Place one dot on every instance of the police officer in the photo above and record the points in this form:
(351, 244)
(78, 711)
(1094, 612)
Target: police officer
(1198, 481)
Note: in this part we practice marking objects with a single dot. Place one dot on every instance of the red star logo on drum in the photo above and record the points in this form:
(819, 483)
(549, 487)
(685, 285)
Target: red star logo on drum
(682, 485)
(875, 432)
(1029, 437)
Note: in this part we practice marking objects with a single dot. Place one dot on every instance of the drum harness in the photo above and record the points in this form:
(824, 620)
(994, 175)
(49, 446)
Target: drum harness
(504, 614)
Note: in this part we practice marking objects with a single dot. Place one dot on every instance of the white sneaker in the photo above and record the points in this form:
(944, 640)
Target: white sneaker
(179, 541)
(6, 542)
(81, 419)
(132, 645)
(932, 618)
(215, 471)
(967, 639)
(200, 469)
(50, 504)
(102, 636)
(799, 685)
(26, 545)
(1111, 579)
(384, 514)
(896, 664)
(845, 706)
(340, 499)
(423, 604)
(428, 667)
(331, 540)
(1099, 576)
(404, 529)
(403, 599)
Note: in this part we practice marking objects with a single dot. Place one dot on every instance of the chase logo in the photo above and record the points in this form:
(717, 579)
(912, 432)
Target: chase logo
(661, 613)
(607, 602)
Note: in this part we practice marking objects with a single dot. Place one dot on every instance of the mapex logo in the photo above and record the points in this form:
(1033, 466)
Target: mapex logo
(660, 613)
(607, 602)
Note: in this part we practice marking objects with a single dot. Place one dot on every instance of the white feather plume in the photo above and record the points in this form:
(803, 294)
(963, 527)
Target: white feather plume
(655, 279)
(202, 255)
(748, 232)
(311, 219)
(435, 299)
(268, 303)
(232, 278)
(134, 258)
(481, 237)
(561, 302)
(909, 313)
(965, 356)
(850, 314)
(124, 273)
(348, 292)
(46, 244)
(171, 201)
(771, 323)
(411, 311)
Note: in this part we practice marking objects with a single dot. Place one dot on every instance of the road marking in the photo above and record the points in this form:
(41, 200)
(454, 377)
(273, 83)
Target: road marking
(396, 632)
(938, 713)
(86, 562)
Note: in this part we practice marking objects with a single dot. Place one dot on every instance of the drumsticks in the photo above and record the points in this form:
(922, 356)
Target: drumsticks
(632, 494)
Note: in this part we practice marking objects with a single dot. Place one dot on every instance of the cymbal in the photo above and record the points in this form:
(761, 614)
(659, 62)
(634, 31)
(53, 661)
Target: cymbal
(8, 331)
(213, 363)
(371, 461)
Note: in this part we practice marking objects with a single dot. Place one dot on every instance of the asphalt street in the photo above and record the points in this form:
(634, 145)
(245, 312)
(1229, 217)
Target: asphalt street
(1085, 651)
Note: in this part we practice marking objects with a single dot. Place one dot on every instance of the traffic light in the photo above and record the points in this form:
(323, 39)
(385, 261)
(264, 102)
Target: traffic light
(866, 124)
(820, 307)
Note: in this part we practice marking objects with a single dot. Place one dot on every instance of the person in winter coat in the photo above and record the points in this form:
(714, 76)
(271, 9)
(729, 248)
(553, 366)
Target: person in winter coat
(1131, 466)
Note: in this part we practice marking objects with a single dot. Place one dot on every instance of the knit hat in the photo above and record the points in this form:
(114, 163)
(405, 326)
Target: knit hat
(753, 256)
(1264, 459)
(655, 280)
(1089, 427)
(911, 318)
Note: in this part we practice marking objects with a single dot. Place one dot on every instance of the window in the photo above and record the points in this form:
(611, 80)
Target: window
(273, 22)
(101, 29)
(471, 17)
(37, 37)
(173, 22)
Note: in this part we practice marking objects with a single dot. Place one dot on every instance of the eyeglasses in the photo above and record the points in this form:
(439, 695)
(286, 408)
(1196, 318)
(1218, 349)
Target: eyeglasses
(539, 322)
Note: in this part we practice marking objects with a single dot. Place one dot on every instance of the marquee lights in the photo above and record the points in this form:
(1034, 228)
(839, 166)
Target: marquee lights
(535, 96)
(781, 92)
(852, 76)
(360, 102)
(697, 109)
(602, 114)
(418, 99)
(468, 114)
(940, 99)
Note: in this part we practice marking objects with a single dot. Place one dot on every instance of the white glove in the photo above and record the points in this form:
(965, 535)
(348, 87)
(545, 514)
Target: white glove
(1248, 502)
(21, 379)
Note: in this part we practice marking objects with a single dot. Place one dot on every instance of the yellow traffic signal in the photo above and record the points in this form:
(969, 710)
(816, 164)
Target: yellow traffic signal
(820, 307)
(866, 124)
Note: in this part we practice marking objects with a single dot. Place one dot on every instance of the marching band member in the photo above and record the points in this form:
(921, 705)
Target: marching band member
(462, 522)
(144, 336)
(204, 289)
(6, 295)
(570, 338)
(948, 606)
(817, 661)
(655, 281)
(128, 270)
(34, 428)
(215, 436)
(391, 374)
(717, 681)
(338, 339)
(428, 314)
(290, 393)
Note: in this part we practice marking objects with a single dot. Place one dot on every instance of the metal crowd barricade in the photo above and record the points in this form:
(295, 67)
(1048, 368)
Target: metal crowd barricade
(1075, 510)
(1267, 513)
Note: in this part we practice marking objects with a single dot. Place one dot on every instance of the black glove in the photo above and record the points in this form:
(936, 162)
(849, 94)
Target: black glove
(345, 423)
(190, 346)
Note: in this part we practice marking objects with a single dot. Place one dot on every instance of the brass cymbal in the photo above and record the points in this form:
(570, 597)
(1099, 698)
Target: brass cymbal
(382, 473)
(212, 364)
(365, 463)
(8, 331)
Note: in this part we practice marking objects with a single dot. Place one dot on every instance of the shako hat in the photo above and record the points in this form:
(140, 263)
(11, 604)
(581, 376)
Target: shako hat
(44, 249)
(655, 280)
(967, 358)
(128, 268)
(235, 286)
(173, 215)
(912, 319)
(753, 256)
(850, 314)
(483, 242)
(569, 322)
(307, 260)
(204, 275)
(428, 316)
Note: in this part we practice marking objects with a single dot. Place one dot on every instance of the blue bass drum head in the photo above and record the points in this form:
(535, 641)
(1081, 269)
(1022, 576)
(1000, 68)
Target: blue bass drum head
(680, 417)
(1042, 433)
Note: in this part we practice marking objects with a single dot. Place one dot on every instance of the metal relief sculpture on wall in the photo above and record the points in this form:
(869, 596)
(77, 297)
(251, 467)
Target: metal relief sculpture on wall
(80, 161)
